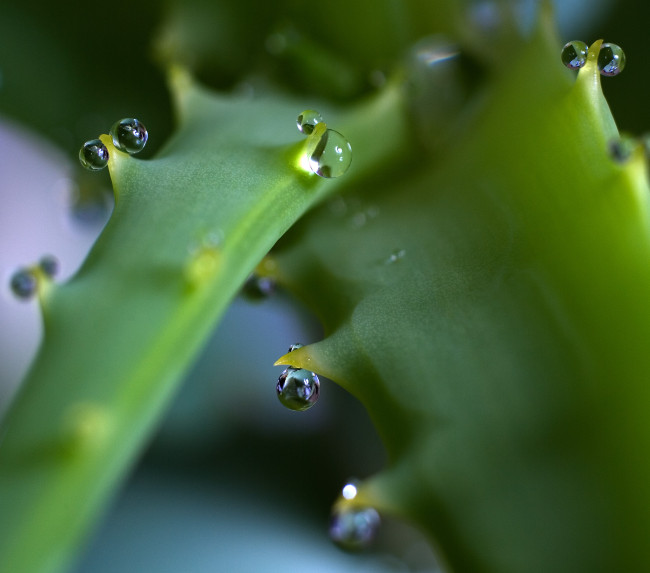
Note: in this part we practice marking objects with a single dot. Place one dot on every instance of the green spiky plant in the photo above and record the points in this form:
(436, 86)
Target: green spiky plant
(487, 306)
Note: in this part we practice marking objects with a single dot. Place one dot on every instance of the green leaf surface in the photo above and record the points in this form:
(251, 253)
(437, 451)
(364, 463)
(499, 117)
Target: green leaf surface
(497, 331)
(188, 228)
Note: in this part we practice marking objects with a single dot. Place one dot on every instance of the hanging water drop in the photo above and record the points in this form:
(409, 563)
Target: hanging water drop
(258, 287)
(611, 60)
(49, 265)
(129, 135)
(332, 155)
(93, 155)
(354, 528)
(308, 120)
(298, 388)
(24, 284)
(574, 54)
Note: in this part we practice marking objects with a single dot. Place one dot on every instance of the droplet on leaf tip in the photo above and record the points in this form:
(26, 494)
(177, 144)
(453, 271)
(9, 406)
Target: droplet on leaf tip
(93, 155)
(298, 389)
(24, 283)
(354, 528)
(295, 346)
(308, 120)
(129, 135)
(50, 266)
(331, 156)
(574, 54)
(611, 59)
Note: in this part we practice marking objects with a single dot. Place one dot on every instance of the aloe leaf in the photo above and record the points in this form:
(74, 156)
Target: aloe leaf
(188, 228)
(492, 316)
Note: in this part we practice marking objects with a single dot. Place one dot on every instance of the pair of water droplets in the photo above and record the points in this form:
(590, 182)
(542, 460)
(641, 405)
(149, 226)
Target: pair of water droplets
(24, 282)
(611, 58)
(128, 135)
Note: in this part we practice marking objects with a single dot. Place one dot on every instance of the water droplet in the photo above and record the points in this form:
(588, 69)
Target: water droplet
(622, 149)
(24, 284)
(93, 155)
(308, 120)
(49, 264)
(574, 54)
(395, 256)
(332, 155)
(298, 388)
(349, 491)
(258, 287)
(295, 346)
(354, 528)
(129, 135)
(611, 60)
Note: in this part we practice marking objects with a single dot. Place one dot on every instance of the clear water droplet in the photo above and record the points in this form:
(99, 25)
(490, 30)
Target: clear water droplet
(93, 155)
(308, 120)
(574, 54)
(332, 155)
(611, 60)
(354, 528)
(50, 266)
(298, 388)
(24, 284)
(129, 135)
(258, 287)
(295, 346)
(349, 490)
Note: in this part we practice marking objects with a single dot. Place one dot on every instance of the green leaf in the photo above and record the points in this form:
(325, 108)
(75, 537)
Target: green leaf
(188, 228)
(490, 310)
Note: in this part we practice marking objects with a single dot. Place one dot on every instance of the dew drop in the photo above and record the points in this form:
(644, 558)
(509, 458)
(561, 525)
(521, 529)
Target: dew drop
(295, 346)
(354, 528)
(332, 155)
(298, 388)
(349, 491)
(622, 149)
(258, 287)
(308, 120)
(129, 135)
(24, 284)
(49, 264)
(93, 155)
(574, 54)
(611, 60)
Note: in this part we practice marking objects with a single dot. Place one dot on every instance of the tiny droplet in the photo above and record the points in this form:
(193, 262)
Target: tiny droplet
(129, 135)
(354, 528)
(49, 264)
(574, 54)
(93, 155)
(611, 60)
(332, 155)
(622, 149)
(308, 120)
(24, 284)
(395, 256)
(295, 346)
(298, 388)
(258, 287)
(349, 491)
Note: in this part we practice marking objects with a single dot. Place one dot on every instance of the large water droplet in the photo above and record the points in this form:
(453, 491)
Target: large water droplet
(611, 60)
(308, 120)
(354, 528)
(574, 54)
(332, 155)
(24, 284)
(49, 264)
(129, 135)
(298, 388)
(93, 155)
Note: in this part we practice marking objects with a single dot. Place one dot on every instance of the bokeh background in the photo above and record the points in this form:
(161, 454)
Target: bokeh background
(232, 481)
